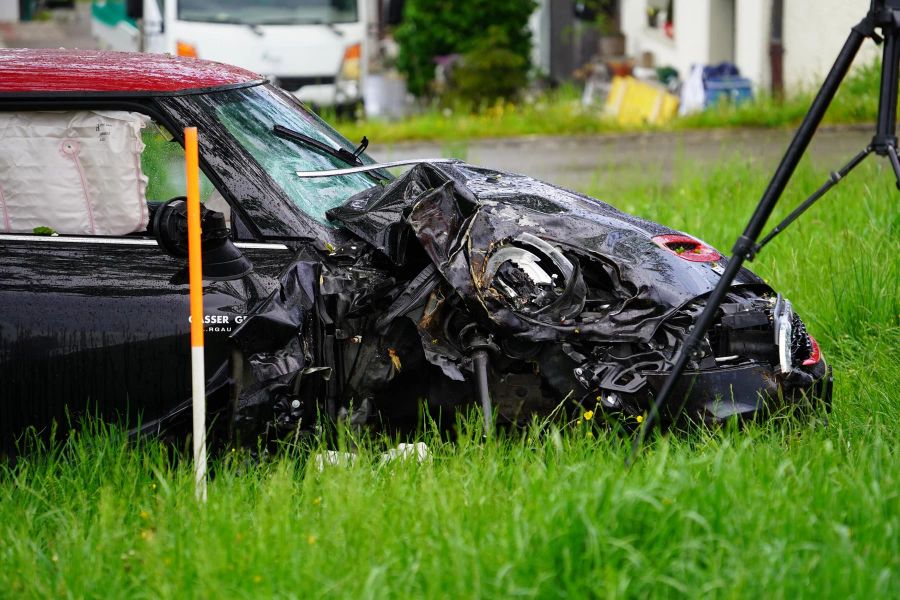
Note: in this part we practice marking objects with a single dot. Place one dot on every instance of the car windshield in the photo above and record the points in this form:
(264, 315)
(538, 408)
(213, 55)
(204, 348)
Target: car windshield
(269, 12)
(250, 116)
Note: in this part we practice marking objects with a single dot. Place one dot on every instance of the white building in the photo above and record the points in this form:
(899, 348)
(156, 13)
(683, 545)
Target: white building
(739, 31)
(9, 11)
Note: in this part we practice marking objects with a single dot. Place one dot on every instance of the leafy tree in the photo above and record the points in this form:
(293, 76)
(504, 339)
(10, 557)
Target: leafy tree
(433, 28)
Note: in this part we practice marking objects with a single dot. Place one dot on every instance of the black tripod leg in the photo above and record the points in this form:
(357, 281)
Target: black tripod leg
(744, 245)
(895, 163)
(835, 178)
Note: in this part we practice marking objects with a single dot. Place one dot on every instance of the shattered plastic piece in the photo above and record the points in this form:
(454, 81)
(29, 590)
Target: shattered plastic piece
(417, 451)
(333, 458)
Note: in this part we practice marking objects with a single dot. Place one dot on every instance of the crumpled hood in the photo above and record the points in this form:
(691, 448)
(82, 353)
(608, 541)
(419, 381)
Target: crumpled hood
(589, 225)
(609, 279)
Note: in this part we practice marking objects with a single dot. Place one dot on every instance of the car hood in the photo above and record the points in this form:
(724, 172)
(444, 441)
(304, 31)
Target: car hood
(625, 283)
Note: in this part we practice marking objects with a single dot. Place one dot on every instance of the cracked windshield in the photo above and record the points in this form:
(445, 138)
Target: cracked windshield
(250, 115)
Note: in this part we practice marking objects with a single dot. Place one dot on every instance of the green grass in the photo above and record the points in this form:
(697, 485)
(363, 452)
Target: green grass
(560, 112)
(784, 510)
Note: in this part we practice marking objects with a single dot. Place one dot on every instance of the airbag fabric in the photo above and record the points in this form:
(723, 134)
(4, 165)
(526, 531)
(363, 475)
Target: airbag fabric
(76, 172)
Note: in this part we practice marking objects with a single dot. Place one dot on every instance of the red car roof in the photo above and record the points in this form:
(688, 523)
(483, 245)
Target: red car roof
(54, 71)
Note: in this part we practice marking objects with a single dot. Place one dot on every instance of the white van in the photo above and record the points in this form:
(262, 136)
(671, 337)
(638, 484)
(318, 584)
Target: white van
(313, 48)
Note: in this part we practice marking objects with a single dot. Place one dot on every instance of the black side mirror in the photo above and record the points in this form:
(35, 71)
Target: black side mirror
(134, 9)
(222, 260)
(393, 12)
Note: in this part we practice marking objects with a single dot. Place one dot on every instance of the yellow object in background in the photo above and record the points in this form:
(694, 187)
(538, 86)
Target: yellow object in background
(633, 102)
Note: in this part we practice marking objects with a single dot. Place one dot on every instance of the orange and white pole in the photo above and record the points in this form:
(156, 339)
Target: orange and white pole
(195, 271)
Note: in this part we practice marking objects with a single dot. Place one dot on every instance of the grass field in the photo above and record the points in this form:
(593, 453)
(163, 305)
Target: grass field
(560, 112)
(782, 511)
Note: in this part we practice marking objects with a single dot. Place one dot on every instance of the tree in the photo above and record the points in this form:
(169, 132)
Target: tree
(433, 28)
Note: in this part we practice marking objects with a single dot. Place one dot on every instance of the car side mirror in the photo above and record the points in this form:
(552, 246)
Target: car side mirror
(222, 260)
(134, 9)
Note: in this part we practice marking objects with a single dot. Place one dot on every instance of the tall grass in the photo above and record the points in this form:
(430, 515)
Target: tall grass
(782, 510)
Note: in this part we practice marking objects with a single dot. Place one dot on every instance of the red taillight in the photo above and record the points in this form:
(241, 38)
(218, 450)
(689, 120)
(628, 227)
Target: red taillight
(816, 354)
(688, 248)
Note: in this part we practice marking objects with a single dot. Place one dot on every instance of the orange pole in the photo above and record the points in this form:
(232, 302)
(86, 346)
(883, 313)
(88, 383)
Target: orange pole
(195, 272)
(195, 268)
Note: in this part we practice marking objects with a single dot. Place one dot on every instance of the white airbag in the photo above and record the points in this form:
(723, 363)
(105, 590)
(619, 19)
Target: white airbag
(75, 172)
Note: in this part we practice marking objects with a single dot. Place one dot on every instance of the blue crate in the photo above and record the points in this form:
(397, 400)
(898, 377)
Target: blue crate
(734, 90)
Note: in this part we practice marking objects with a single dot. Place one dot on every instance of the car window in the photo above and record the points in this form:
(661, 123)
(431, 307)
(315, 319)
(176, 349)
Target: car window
(87, 172)
(250, 116)
(162, 161)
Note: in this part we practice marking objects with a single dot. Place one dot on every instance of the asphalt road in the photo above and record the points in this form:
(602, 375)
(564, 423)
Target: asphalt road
(579, 161)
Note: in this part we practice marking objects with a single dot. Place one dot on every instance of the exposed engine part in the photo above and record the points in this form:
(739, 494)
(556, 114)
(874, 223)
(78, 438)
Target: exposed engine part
(477, 345)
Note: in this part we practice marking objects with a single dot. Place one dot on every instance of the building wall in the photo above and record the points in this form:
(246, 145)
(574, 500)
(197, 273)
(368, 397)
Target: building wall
(710, 31)
(9, 11)
(721, 31)
(753, 19)
(692, 33)
(813, 35)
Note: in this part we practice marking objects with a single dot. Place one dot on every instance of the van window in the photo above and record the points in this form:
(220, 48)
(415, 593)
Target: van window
(269, 12)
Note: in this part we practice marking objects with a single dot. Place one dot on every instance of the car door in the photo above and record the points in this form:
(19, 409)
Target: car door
(99, 324)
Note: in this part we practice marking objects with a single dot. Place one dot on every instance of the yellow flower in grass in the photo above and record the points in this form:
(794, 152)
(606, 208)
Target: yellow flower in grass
(640, 418)
(589, 415)
(312, 539)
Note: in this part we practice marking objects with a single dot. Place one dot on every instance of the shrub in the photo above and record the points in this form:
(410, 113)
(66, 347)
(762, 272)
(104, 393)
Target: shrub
(490, 71)
(433, 28)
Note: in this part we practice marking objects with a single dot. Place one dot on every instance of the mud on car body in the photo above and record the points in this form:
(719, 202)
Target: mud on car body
(357, 296)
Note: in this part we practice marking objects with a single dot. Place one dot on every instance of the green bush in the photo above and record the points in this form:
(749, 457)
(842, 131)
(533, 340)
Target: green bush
(438, 27)
(490, 71)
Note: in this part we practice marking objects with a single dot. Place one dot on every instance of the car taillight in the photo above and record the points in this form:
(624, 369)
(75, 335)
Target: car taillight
(185, 49)
(815, 356)
(350, 68)
(688, 248)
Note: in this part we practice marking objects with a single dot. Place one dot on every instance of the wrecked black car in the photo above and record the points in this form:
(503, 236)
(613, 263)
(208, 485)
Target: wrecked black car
(334, 290)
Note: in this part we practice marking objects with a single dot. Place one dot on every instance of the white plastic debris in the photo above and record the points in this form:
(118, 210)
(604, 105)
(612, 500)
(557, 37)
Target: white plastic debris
(75, 172)
(333, 458)
(417, 451)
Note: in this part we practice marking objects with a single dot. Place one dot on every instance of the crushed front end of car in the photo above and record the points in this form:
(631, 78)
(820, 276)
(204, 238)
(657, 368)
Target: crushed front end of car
(459, 284)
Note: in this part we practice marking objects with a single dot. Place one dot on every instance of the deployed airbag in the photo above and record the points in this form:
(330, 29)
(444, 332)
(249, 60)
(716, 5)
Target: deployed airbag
(76, 172)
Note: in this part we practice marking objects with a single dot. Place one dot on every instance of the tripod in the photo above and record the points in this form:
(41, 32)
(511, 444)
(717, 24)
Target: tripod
(883, 15)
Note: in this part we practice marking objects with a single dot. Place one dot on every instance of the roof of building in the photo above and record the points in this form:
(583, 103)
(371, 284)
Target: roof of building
(66, 71)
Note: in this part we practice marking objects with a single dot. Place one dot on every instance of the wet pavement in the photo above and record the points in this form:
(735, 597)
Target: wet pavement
(580, 161)
(573, 161)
